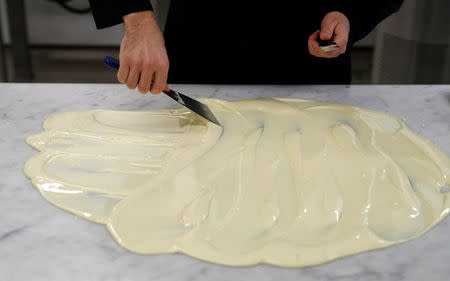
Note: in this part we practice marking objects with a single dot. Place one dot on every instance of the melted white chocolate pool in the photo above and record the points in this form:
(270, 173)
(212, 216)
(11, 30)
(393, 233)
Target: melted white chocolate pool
(287, 182)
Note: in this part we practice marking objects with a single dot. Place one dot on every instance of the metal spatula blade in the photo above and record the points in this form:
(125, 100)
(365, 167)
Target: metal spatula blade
(328, 45)
(194, 105)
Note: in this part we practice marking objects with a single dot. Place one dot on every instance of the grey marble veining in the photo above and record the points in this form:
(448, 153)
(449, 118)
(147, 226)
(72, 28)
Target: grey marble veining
(41, 242)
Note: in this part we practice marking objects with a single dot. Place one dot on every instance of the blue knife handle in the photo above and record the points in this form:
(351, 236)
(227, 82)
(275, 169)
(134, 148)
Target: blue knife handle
(112, 62)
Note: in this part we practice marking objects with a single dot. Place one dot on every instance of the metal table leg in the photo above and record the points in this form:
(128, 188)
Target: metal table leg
(19, 41)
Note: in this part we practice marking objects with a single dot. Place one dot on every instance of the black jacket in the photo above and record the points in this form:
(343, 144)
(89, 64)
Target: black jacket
(251, 41)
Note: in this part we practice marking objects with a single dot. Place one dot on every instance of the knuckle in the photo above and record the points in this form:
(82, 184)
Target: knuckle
(137, 62)
(163, 64)
(125, 58)
(166, 63)
(147, 62)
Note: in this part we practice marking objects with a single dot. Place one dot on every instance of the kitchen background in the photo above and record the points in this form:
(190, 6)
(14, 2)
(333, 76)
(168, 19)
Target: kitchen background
(42, 41)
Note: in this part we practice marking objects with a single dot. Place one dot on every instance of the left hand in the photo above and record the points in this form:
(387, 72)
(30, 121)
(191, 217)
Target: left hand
(335, 26)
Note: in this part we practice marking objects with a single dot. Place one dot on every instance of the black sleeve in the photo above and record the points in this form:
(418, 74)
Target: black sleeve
(110, 12)
(365, 15)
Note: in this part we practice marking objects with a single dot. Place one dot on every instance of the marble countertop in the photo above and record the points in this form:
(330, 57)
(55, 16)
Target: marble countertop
(41, 242)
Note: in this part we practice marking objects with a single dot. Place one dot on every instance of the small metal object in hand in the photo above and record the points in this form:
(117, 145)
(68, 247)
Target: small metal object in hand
(328, 45)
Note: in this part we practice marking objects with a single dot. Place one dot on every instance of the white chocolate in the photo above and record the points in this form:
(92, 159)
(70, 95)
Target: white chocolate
(287, 182)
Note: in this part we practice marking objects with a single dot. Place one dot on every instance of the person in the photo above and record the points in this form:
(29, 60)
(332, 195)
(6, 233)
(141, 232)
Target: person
(242, 42)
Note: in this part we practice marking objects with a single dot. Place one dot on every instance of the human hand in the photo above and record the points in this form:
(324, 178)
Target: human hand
(143, 55)
(335, 26)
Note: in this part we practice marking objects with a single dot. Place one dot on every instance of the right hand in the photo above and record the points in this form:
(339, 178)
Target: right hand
(335, 26)
(143, 55)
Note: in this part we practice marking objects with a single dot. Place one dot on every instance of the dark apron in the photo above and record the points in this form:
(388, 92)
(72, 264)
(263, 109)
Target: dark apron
(211, 42)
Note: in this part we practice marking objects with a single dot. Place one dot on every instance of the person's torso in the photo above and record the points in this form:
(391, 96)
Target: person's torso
(256, 40)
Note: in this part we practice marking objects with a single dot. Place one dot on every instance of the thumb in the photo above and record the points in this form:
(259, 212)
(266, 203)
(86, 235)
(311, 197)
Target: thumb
(327, 28)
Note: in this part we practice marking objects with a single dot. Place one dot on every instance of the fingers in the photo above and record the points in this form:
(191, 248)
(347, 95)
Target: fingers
(166, 89)
(314, 49)
(140, 73)
(133, 78)
(341, 37)
(327, 31)
(143, 55)
(334, 26)
(313, 45)
(160, 82)
(122, 74)
(145, 80)
(327, 27)
(330, 55)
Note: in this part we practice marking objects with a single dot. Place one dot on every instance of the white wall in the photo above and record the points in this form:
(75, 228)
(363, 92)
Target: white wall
(50, 24)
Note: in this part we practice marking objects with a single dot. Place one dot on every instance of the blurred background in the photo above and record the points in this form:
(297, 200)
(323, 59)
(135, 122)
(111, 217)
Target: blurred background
(55, 41)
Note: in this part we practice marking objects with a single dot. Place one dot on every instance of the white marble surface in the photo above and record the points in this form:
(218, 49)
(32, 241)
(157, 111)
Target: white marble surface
(41, 242)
